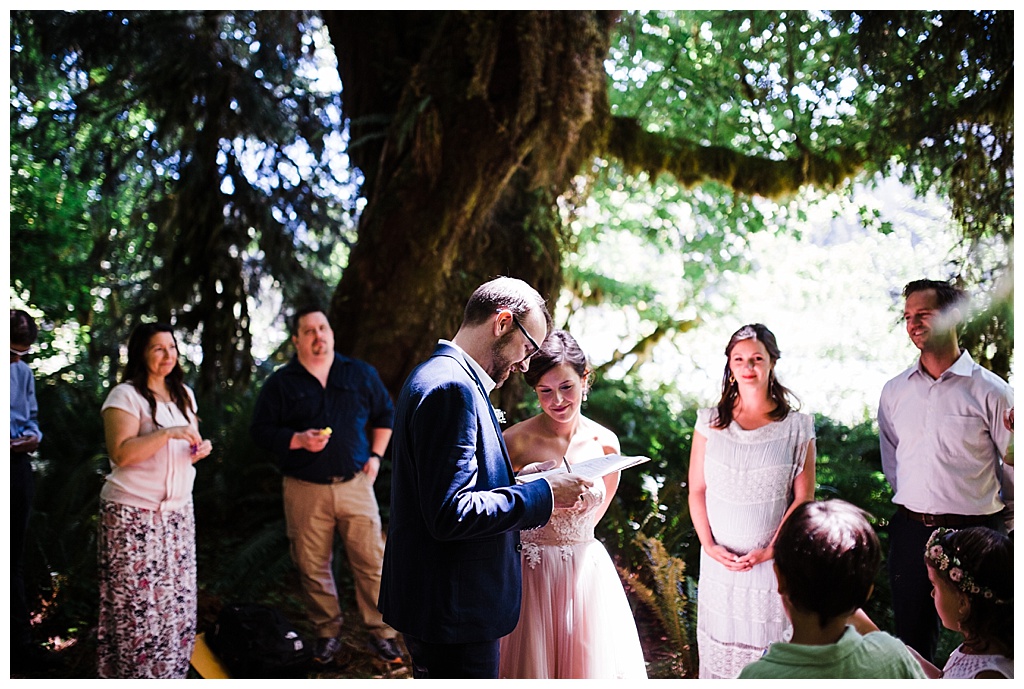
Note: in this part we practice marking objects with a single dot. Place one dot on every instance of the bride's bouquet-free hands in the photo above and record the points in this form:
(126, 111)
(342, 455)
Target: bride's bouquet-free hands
(538, 467)
(591, 468)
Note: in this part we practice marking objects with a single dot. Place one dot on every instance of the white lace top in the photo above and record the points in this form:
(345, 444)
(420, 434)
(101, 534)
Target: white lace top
(163, 482)
(567, 527)
(964, 666)
(749, 476)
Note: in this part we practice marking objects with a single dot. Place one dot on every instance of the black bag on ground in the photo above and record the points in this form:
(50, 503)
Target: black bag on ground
(255, 640)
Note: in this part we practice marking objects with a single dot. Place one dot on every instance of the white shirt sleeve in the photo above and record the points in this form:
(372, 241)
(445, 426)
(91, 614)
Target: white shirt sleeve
(887, 441)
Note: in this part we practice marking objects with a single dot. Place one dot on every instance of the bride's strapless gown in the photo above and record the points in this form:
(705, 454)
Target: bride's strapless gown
(575, 621)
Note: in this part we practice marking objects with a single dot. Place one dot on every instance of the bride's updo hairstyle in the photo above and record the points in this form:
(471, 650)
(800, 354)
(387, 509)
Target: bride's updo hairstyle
(558, 348)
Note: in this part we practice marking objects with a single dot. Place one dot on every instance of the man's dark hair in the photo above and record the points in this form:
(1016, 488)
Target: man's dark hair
(293, 322)
(504, 293)
(23, 328)
(828, 555)
(947, 295)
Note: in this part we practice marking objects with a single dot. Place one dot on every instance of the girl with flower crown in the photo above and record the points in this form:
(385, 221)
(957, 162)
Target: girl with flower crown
(971, 571)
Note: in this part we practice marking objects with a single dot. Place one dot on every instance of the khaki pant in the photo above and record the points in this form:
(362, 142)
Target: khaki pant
(313, 512)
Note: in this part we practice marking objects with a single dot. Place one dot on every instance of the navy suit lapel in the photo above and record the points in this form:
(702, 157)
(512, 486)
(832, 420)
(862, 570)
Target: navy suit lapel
(460, 357)
(494, 417)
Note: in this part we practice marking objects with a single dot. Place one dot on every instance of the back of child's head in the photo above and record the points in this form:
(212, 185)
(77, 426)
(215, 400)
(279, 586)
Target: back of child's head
(978, 562)
(828, 555)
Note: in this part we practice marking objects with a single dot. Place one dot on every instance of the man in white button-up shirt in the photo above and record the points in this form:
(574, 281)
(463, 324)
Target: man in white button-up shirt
(942, 440)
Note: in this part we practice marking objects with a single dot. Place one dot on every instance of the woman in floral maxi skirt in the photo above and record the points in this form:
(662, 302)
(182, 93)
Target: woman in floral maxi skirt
(147, 558)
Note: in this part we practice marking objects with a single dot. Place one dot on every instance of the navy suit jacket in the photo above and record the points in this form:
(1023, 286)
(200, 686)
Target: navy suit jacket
(452, 569)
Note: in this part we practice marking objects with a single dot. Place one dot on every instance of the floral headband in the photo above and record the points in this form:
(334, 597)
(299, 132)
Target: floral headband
(950, 564)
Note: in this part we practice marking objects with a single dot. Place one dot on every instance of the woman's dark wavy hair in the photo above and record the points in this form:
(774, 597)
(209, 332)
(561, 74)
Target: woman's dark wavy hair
(785, 401)
(558, 348)
(136, 373)
(987, 555)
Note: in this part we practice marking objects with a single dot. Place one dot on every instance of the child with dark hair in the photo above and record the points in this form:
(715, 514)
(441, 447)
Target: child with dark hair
(971, 571)
(826, 559)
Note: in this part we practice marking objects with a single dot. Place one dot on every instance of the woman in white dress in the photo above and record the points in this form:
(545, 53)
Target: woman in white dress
(575, 621)
(751, 464)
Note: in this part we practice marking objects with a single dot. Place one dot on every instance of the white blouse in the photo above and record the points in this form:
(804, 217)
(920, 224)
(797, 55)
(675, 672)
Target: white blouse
(163, 482)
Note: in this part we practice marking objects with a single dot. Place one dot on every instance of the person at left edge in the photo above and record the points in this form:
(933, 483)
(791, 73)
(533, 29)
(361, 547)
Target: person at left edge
(26, 654)
(327, 418)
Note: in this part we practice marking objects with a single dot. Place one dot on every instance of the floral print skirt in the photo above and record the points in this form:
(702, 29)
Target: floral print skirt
(148, 592)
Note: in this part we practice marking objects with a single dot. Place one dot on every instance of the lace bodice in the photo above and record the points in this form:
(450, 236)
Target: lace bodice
(749, 476)
(567, 527)
(964, 666)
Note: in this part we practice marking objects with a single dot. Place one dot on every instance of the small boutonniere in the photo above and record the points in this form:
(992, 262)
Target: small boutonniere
(500, 415)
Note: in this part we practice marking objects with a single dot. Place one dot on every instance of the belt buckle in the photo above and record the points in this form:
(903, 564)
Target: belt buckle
(930, 520)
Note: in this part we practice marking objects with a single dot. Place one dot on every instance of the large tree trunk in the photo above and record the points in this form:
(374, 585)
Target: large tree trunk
(493, 119)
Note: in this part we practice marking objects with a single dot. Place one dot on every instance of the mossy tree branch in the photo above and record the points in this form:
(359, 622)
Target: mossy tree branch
(692, 164)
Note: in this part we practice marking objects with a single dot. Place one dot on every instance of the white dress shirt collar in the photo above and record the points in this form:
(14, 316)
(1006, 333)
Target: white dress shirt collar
(963, 366)
(485, 380)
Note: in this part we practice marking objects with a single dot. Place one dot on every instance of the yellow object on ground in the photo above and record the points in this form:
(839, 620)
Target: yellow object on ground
(206, 663)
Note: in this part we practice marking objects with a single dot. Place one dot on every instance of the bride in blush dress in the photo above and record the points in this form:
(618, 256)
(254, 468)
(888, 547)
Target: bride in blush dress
(575, 621)
(751, 464)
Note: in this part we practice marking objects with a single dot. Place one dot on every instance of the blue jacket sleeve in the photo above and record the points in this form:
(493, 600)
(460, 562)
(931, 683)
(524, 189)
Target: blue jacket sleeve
(466, 486)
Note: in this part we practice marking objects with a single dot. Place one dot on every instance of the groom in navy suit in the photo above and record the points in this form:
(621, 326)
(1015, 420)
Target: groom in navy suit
(452, 579)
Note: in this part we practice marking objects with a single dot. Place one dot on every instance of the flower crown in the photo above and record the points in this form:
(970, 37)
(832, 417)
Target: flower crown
(950, 564)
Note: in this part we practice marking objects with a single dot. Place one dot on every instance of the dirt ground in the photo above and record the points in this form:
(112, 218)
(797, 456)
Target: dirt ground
(77, 659)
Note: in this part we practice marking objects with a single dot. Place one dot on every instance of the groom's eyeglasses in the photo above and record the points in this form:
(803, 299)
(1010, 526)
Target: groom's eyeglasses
(533, 342)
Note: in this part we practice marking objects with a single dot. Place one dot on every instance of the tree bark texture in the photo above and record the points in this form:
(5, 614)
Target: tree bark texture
(489, 125)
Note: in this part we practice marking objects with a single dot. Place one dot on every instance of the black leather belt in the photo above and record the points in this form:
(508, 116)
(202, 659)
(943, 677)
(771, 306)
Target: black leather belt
(947, 520)
(327, 480)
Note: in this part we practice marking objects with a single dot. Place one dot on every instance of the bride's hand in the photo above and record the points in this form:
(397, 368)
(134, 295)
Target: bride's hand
(537, 467)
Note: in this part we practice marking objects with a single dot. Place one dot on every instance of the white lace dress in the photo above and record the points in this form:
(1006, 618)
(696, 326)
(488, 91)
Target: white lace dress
(575, 620)
(749, 477)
